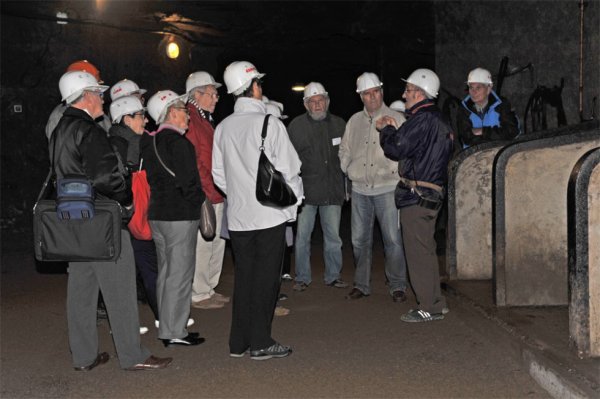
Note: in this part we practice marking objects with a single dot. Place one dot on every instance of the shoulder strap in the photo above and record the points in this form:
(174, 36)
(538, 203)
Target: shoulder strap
(264, 132)
(159, 158)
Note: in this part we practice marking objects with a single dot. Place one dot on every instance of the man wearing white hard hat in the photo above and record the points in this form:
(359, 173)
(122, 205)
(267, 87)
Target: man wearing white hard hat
(203, 97)
(374, 179)
(173, 214)
(79, 146)
(485, 116)
(424, 144)
(316, 136)
(257, 232)
(57, 112)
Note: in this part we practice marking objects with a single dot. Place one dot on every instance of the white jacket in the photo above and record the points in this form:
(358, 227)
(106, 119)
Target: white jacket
(361, 156)
(235, 164)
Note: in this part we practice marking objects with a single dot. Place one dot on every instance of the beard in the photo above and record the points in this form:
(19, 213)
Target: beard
(318, 116)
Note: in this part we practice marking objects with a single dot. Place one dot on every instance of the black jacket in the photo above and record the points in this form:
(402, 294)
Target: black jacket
(423, 144)
(172, 198)
(82, 148)
(317, 144)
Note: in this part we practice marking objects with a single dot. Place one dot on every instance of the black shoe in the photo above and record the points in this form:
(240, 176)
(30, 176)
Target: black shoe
(275, 350)
(190, 340)
(100, 359)
(355, 294)
(398, 296)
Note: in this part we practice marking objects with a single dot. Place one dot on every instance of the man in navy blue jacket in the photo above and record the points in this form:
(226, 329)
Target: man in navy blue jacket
(423, 144)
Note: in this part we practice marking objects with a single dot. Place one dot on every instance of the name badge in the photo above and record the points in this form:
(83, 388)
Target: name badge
(336, 141)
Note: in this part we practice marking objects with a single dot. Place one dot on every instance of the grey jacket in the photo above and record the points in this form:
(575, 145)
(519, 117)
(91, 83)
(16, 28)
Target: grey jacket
(361, 156)
(317, 144)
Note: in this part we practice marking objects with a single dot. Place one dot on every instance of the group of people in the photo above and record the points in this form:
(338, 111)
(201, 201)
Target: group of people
(392, 164)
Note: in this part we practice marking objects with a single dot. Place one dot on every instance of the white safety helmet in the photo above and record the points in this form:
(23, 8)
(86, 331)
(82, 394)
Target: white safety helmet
(124, 88)
(238, 76)
(199, 79)
(126, 105)
(73, 84)
(367, 81)
(480, 75)
(426, 80)
(160, 102)
(398, 105)
(314, 89)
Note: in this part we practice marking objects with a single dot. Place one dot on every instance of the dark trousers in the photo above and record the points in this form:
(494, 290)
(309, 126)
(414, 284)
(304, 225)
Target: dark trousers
(257, 256)
(418, 228)
(144, 253)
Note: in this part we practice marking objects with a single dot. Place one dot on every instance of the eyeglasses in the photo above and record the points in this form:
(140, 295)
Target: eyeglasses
(214, 96)
(316, 102)
(477, 87)
(142, 114)
(98, 93)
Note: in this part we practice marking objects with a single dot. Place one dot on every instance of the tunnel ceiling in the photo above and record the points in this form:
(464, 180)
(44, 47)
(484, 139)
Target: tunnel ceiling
(331, 27)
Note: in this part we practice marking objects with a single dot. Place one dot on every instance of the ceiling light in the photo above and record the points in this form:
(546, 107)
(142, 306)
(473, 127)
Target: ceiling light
(173, 50)
(298, 87)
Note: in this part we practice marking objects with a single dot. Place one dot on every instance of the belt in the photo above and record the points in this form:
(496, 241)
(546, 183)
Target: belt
(419, 183)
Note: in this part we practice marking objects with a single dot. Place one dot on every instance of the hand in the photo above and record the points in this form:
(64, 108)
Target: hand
(385, 121)
(477, 132)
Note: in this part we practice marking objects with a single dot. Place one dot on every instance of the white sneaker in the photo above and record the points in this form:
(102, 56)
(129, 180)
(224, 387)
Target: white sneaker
(143, 330)
(190, 322)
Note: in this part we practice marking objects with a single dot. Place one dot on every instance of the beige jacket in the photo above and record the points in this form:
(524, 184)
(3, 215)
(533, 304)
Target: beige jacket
(361, 156)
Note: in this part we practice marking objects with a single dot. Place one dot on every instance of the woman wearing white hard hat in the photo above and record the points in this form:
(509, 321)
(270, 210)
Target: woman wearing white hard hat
(129, 119)
(174, 213)
(485, 116)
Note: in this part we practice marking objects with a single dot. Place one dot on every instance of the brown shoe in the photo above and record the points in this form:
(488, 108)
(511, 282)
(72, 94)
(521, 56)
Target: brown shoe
(152, 363)
(398, 296)
(210, 303)
(100, 359)
(355, 294)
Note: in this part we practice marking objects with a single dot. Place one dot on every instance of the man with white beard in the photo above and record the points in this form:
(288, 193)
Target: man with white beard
(316, 136)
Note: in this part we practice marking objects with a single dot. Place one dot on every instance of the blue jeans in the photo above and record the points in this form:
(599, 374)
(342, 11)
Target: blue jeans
(364, 210)
(330, 216)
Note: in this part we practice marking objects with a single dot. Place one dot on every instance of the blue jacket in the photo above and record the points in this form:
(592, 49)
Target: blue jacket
(422, 145)
(497, 121)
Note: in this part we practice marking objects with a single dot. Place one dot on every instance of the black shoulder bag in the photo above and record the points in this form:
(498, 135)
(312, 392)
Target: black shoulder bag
(271, 187)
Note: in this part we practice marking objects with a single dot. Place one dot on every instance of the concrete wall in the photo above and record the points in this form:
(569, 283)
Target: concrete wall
(546, 33)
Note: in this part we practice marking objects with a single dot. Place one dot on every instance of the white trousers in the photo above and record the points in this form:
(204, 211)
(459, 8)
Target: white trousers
(209, 261)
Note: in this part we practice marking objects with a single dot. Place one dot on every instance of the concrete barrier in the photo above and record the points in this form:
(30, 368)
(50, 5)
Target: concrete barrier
(469, 247)
(584, 255)
(530, 216)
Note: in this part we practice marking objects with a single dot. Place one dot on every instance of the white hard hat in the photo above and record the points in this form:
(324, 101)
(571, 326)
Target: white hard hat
(398, 105)
(160, 102)
(238, 76)
(199, 79)
(480, 75)
(314, 89)
(126, 105)
(426, 80)
(367, 81)
(73, 84)
(124, 88)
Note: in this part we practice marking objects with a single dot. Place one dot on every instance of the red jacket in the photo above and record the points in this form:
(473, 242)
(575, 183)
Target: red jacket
(201, 133)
